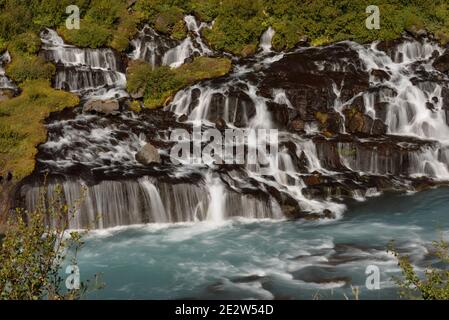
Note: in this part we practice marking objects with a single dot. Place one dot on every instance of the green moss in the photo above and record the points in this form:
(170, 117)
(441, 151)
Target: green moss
(321, 117)
(21, 124)
(25, 67)
(90, 34)
(105, 23)
(135, 106)
(138, 76)
(166, 20)
(205, 10)
(162, 83)
(28, 42)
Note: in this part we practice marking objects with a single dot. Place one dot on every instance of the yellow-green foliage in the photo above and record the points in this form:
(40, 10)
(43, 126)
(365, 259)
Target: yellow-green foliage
(106, 23)
(239, 24)
(29, 67)
(161, 83)
(21, 124)
(166, 16)
(434, 284)
(25, 65)
(138, 75)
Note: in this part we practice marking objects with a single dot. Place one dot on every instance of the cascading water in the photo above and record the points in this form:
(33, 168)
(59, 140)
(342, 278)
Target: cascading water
(157, 49)
(92, 73)
(5, 82)
(351, 121)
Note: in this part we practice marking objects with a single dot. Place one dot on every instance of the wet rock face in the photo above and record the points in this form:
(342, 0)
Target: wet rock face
(442, 62)
(312, 79)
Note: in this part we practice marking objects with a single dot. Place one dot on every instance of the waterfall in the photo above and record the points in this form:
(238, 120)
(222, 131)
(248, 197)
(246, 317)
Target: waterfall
(92, 73)
(346, 120)
(266, 40)
(158, 49)
(5, 82)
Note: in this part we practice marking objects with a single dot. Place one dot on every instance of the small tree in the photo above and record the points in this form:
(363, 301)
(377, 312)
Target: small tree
(434, 285)
(34, 249)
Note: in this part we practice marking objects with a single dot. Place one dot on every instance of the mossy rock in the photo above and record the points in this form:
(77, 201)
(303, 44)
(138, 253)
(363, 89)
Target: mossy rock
(25, 67)
(163, 82)
(171, 22)
(22, 126)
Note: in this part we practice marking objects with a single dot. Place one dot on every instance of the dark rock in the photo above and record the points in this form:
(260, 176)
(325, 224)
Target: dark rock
(220, 124)
(380, 75)
(312, 180)
(442, 62)
(297, 125)
(430, 106)
(183, 118)
(148, 155)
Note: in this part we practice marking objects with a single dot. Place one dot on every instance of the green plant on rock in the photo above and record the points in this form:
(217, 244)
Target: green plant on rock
(29, 67)
(434, 284)
(160, 84)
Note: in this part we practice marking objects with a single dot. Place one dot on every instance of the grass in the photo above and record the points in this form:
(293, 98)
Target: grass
(22, 128)
(161, 83)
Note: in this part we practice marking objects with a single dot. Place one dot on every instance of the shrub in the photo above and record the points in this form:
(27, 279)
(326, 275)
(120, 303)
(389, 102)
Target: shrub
(434, 285)
(33, 252)
(138, 75)
(28, 42)
(29, 67)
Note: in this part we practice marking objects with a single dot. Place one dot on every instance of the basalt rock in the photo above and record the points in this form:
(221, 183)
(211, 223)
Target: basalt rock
(380, 75)
(442, 62)
(309, 76)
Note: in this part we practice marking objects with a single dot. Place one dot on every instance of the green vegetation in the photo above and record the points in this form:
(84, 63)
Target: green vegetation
(434, 285)
(105, 23)
(159, 85)
(21, 124)
(32, 253)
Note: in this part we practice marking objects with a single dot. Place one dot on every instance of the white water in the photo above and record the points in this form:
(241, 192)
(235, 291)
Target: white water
(5, 82)
(100, 146)
(160, 50)
(406, 110)
(93, 73)
(266, 39)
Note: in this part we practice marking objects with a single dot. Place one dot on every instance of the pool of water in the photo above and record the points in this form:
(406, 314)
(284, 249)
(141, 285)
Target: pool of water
(267, 259)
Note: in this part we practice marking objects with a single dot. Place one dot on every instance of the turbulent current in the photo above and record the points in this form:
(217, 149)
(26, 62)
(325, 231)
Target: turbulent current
(353, 121)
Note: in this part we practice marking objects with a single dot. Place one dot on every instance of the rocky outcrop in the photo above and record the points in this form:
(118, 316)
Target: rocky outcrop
(148, 155)
(442, 62)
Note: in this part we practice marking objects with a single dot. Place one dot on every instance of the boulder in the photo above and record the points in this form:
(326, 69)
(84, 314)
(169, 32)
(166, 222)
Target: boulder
(148, 155)
(442, 62)
(220, 124)
(102, 106)
(380, 74)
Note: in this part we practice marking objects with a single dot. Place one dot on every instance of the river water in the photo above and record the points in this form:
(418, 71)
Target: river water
(268, 259)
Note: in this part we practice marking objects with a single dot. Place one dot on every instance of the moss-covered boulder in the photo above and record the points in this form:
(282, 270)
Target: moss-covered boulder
(161, 83)
(22, 128)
